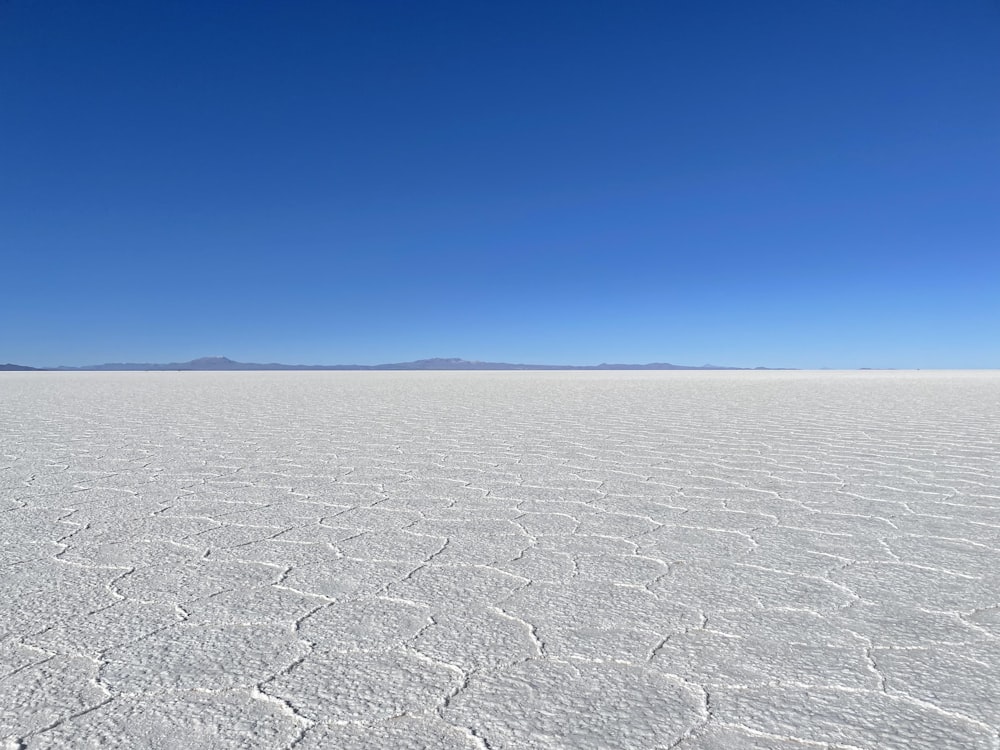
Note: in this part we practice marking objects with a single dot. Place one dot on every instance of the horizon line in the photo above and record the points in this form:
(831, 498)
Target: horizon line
(216, 363)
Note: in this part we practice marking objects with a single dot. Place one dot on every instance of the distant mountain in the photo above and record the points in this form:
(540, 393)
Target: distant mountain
(17, 368)
(202, 363)
(437, 363)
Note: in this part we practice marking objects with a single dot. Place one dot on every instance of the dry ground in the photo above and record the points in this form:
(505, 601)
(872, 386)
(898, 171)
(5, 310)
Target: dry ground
(685, 560)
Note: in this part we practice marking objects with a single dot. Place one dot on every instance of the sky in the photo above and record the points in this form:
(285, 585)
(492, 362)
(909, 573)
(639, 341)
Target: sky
(797, 184)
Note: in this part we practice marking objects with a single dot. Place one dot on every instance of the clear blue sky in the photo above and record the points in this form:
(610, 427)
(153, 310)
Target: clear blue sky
(791, 183)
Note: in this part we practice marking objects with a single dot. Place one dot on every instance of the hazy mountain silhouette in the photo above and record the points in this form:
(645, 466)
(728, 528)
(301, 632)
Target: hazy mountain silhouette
(437, 363)
(17, 368)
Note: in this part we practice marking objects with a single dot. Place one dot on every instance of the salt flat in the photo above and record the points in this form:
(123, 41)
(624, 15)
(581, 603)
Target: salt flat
(691, 560)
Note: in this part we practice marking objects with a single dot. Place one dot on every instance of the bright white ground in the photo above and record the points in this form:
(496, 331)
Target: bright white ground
(500, 560)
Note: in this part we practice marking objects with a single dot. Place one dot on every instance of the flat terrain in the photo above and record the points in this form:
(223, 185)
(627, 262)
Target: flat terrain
(731, 560)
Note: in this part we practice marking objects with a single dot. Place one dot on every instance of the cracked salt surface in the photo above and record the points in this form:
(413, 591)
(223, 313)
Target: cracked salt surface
(697, 561)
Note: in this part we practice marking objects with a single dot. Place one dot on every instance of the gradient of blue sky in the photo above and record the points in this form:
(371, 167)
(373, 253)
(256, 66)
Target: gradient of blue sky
(787, 183)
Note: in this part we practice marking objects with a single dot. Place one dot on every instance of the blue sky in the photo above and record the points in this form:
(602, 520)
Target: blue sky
(806, 184)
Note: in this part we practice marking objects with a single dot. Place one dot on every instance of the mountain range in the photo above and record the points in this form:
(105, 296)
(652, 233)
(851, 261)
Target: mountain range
(438, 363)
(16, 368)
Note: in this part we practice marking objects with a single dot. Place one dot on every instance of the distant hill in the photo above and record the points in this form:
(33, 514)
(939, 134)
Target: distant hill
(438, 363)
(17, 368)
